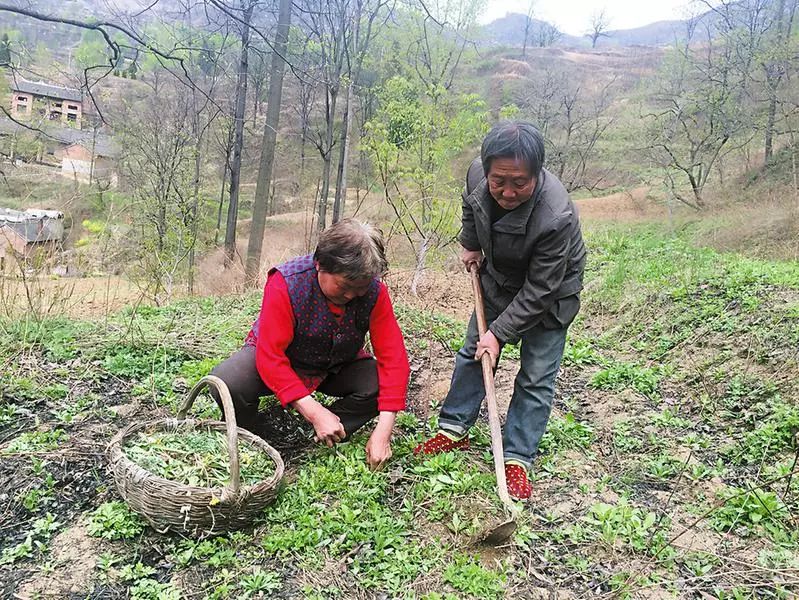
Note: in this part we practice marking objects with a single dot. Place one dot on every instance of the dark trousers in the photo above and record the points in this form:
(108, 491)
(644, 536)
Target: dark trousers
(355, 386)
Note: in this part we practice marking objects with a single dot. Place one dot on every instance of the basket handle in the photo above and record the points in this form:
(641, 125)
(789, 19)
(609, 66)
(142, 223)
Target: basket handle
(232, 435)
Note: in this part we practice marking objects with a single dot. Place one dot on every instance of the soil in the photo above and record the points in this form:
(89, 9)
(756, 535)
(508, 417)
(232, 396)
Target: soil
(580, 478)
(73, 560)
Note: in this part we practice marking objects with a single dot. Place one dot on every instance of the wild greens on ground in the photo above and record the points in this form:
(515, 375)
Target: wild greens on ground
(667, 464)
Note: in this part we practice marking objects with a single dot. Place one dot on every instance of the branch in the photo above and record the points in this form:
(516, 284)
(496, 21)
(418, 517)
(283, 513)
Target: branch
(102, 28)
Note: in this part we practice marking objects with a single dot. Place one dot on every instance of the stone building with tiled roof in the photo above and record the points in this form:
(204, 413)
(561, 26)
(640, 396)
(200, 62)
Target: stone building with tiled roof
(50, 102)
(23, 232)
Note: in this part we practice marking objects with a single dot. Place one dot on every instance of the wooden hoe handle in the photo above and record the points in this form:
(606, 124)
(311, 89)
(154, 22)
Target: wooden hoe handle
(491, 395)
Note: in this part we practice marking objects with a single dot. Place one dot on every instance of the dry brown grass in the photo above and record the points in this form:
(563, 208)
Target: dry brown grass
(623, 207)
(767, 228)
(44, 296)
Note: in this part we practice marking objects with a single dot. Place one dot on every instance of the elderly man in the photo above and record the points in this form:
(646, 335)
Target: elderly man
(522, 229)
(309, 336)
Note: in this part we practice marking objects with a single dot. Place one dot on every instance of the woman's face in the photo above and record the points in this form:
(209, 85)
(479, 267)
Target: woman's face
(340, 290)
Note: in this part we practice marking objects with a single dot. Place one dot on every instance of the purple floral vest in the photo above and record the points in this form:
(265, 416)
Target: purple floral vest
(321, 342)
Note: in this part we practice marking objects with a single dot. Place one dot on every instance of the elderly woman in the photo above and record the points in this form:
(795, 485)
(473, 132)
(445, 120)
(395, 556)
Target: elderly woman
(309, 336)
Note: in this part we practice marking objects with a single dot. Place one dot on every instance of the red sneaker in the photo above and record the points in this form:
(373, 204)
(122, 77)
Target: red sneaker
(519, 486)
(441, 443)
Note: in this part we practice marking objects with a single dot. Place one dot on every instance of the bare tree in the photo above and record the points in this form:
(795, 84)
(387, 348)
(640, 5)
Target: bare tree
(548, 34)
(701, 95)
(246, 9)
(158, 148)
(774, 59)
(268, 146)
(598, 27)
(259, 77)
(203, 117)
(357, 45)
(307, 89)
(573, 113)
(528, 26)
(223, 143)
(328, 24)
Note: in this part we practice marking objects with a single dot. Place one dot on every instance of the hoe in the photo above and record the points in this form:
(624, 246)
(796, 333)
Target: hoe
(498, 532)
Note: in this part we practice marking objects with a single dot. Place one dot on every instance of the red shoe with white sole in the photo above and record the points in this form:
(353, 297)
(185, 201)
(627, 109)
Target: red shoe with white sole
(441, 443)
(519, 486)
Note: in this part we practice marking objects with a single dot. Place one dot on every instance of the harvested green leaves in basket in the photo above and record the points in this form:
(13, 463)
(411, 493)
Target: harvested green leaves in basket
(197, 457)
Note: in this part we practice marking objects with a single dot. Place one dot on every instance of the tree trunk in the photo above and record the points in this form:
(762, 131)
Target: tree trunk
(303, 143)
(238, 139)
(344, 155)
(771, 117)
(421, 259)
(326, 159)
(195, 202)
(354, 76)
(221, 204)
(526, 36)
(161, 227)
(261, 203)
(773, 78)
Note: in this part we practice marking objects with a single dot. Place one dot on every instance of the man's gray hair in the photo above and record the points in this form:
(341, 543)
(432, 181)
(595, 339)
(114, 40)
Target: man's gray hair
(353, 249)
(514, 139)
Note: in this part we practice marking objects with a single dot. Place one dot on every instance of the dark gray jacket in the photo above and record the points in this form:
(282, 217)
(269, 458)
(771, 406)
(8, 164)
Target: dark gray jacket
(542, 237)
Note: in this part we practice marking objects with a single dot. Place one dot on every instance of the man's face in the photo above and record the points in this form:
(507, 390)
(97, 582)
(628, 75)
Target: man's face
(510, 182)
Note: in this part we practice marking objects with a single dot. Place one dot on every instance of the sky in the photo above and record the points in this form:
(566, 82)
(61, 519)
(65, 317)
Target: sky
(573, 16)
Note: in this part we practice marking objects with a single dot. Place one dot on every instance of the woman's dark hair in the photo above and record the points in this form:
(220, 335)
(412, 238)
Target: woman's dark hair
(514, 139)
(353, 249)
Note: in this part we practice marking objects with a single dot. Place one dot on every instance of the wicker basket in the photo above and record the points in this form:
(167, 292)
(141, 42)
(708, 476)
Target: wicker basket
(195, 511)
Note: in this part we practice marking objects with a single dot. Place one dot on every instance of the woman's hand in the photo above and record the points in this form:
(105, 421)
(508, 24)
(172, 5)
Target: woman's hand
(327, 426)
(378, 451)
(378, 448)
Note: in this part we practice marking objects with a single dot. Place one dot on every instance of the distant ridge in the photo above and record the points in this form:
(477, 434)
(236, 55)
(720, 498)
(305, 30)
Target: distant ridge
(509, 31)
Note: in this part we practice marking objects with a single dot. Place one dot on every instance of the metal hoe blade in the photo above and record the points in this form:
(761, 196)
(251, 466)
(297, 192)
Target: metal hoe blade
(496, 534)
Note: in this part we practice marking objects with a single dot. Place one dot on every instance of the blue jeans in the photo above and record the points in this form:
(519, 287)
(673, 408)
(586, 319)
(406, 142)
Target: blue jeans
(533, 391)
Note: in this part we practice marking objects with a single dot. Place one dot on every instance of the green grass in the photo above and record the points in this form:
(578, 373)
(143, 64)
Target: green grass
(693, 351)
(114, 521)
(644, 258)
(643, 380)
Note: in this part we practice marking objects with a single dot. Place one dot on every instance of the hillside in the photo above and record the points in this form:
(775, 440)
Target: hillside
(666, 468)
(670, 466)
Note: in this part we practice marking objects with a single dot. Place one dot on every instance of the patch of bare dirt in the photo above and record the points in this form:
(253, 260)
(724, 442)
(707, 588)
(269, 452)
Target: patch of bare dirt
(444, 292)
(605, 409)
(74, 559)
(692, 538)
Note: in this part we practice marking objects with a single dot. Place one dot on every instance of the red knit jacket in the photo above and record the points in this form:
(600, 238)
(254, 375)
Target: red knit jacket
(275, 369)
